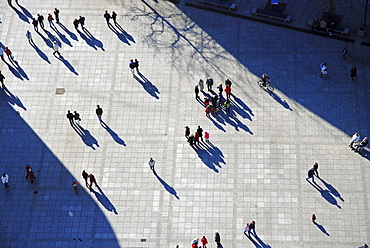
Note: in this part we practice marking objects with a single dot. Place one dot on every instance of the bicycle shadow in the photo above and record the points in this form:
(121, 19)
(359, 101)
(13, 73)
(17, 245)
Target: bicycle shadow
(114, 135)
(103, 199)
(279, 100)
(169, 189)
(147, 85)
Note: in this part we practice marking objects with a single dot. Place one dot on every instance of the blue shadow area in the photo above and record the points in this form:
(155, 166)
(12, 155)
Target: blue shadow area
(326, 194)
(169, 189)
(210, 155)
(46, 213)
(90, 39)
(67, 64)
(147, 85)
(321, 228)
(114, 135)
(258, 243)
(41, 54)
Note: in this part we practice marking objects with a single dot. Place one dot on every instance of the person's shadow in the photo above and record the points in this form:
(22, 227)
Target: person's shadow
(103, 199)
(322, 229)
(14, 71)
(67, 64)
(46, 40)
(120, 36)
(12, 99)
(210, 155)
(332, 190)
(279, 100)
(71, 34)
(114, 135)
(90, 38)
(241, 108)
(41, 53)
(25, 11)
(62, 36)
(85, 135)
(325, 194)
(21, 16)
(21, 71)
(261, 244)
(128, 36)
(170, 190)
(147, 85)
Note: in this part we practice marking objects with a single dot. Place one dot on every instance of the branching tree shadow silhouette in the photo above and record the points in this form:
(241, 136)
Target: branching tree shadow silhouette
(322, 229)
(12, 99)
(128, 36)
(147, 85)
(103, 199)
(67, 64)
(279, 100)
(210, 155)
(94, 41)
(41, 54)
(114, 135)
(61, 36)
(170, 190)
(332, 190)
(21, 16)
(120, 35)
(71, 34)
(325, 194)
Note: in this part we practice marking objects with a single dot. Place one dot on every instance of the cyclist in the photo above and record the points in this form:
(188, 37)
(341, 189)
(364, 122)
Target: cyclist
(265, 79)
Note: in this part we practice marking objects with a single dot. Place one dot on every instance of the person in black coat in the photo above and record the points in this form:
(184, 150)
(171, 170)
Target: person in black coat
(70, 117)
(217, 239)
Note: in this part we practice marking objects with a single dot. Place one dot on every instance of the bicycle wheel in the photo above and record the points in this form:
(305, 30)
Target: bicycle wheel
(259, 82)
(270, 88)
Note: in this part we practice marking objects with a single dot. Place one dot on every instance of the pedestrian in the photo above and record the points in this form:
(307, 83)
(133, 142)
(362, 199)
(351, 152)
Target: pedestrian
(9, 54)
(196, 90)
(196, 138)
(81, 20)
(75, 23)
(316, 172)
(313, 218)
(314, 25)
(70, 117)
(114, 17)
(2, 53)
(364, 246)
(92, 180)
(2, 80)
(10, 3)
(355, 138)
(194, 243)
(206, 101)
(201, 85)
(246, 228)
(206, 136)
(137, 66)
(99, 112)
(50, 19)
(323, 69)
(30, 173)
(228, 92)
(77, 118)
(56, 14)
(214, 100)
(107, 17)
(344, 53)
(5, 180)
(40, 19)
(187, 132)
(56, 48)
(252, 227)
(35, 23)
(204, 241)
(151, 163)
(29, 37)
(220, 89)
(227, 106)
(353, 73)
(85, 176)
(208, 111)
(217, 239)
(311, 173)
(191, 140)
(228, 82)
(200, 131)
(74, 184)
(362, 144)
(131, 65)
(209, 83)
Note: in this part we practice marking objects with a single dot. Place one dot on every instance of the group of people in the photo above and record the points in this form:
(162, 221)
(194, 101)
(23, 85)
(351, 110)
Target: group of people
(30, 175)
(86, 176)
(40, 20)
(79, 21)
(195, 138)
(134, 65)
(107, 17)
(204, 241)
(74, 118)
(356, 144)
(8, 53)
(250, 228)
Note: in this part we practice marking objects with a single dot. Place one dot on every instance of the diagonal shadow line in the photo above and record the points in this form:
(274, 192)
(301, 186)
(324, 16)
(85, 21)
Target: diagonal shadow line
(170, 190)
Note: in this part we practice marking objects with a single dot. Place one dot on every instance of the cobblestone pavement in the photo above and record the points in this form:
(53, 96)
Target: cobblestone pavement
(254, 167)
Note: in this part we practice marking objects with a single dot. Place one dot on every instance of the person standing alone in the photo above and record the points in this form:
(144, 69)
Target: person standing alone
(99, 112)
(151, 164)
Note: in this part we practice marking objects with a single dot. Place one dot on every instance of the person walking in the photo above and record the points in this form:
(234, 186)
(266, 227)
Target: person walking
(92, 180)
(227, 106)
(344, 53)
(35, 23)
(40, 19)
(196, 90)
(2, 80)
(316, 172)
(196, 138)
(311, 174)
(206, 136)
(187, 132)
(56, 14)
(209, 83)
(99, 112)
(323, 69)
(355, 138)
(107, 17)
(151, 163)
(217, 239)
(56, 48)
(137, 66)
(313, 218)
(29, 37)
(252, 227)
(200, 131)
(220, 89)
(9, 55)
(228, 82)
(204, 241)
(77, 118)
(75, 23)
(208, 111)
(131, 65)
(246, 229)
(81, 20)
(50, 19)
(2, 53)
(114, 17)
(5, 180)
(353, 73)
(70, 117)
(30, 173)
(85, 176)
(228, 92)
(201, 85)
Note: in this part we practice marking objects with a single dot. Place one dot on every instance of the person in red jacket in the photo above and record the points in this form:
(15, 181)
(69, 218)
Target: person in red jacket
(228, 92)
(30, 173)
(9, 54)
(92, 180)
(204, 241)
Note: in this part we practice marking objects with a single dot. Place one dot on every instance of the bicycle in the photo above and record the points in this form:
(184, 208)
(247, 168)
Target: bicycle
(266, 85)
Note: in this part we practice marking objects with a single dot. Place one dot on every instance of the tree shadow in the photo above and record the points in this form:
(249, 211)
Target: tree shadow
(210, 155)
(170, 190)
(61, 36)
(41, 54)
(128, 36)
(147, 85)
(91, 40)
(120, 36)
(322, 229)
(332, 190)
(67, 64)
(279, 100)
(71, 34)
(21, 16)
(12, 99)
(103, 199)
(114, 135)
(21, 71)
(325, 194)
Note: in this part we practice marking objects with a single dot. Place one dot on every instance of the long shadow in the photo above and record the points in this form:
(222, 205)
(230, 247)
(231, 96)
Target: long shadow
(279, 100)
(325, 194)
(60, 213)
(21, 71)
(147, 85)
(41, 54)
(71, 34)
(241, 108)
(85, 135)
(46, 40)
(365, 154)
(170, 190)
(61, 36)
(332, 190)
(253, 241)
(87, 39)
(233, 120)
(95, 41)
(210, 155)
(67, 64)
(120, 36)
(52, 37)
(12, 99)
(25, 11)
(21, 15)
(103, 199)
(114, 135)
(215, 120)
(322, 229)
(14, 71)
(128, 36)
